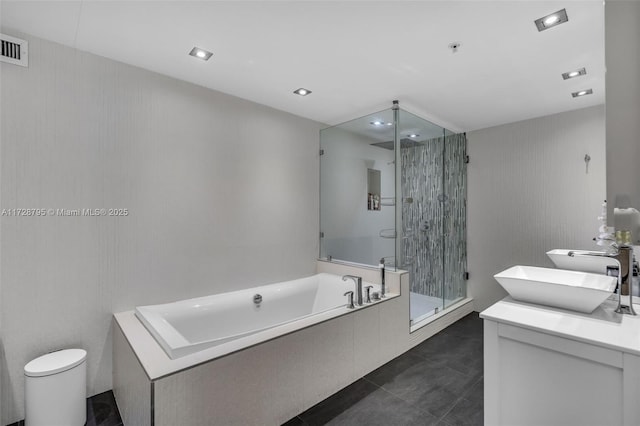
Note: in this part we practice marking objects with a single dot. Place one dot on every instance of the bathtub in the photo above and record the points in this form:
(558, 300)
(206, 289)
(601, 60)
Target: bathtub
(189, 326)
(289, 363)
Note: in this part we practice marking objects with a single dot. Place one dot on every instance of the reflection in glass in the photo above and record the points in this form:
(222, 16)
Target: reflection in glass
(373, 189)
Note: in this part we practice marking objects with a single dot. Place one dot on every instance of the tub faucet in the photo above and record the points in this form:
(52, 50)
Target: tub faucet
(358, 282)
(383, 289)
(623, 256)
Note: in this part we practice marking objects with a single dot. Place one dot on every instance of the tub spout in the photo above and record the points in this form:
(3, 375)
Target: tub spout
(358, 282)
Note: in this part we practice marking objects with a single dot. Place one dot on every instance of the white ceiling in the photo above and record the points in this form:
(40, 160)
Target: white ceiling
(356, 56)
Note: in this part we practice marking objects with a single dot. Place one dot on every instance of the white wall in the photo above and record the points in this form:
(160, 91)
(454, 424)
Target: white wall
(222, 194)
(529, 193)
(622, 32)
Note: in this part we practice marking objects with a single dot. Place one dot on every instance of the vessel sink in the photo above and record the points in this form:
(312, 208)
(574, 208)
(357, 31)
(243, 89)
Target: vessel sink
(595, 264)
(574, 290)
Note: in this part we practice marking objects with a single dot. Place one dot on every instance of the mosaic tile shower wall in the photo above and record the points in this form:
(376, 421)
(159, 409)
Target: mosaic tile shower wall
(434, 216)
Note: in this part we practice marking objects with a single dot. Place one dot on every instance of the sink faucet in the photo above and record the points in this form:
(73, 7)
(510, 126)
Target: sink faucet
(623, 256)
(358, 282)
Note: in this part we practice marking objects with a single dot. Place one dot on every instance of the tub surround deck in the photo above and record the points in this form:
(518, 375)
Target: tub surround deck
(157, 364)
(579, 368)
(274, 377)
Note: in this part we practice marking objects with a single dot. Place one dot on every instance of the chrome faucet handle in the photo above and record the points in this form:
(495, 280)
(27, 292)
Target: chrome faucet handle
(367, 292)
(358, 290)
(349, 295)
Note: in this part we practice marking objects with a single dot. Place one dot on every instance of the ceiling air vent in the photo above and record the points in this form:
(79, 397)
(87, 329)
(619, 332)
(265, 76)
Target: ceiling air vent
(14, 50)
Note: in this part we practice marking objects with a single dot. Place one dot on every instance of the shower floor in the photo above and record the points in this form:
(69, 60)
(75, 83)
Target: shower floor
(422, 306)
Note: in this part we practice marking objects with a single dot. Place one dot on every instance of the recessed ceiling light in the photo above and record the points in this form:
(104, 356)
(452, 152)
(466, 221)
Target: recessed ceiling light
(572, 74)
(413, 135)
(389, 124)
(200, 53)
(582, 93)
(552, 20)
(377, 123)
(302, 92)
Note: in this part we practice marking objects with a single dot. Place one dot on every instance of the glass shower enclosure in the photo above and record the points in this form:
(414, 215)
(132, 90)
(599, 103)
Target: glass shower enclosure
(433, 185)
(393, 190)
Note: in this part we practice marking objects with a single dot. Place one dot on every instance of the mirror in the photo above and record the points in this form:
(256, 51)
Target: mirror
(622, 112)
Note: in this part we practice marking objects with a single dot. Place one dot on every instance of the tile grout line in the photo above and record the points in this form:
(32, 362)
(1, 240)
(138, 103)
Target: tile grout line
(457, 401)
(404, 400)
(463, 332)
(464, 394)
(450, 409)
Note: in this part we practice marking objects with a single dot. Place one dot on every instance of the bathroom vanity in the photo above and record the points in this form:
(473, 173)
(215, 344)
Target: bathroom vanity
(548, 366)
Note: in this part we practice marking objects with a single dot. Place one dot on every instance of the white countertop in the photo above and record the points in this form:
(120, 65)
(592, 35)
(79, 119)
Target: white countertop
(603, 327)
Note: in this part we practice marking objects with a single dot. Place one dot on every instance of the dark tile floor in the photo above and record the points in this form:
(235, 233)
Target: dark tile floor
(101, 411)
(439, 382)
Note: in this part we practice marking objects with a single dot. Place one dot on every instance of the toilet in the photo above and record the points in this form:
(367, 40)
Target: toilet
(55, 389)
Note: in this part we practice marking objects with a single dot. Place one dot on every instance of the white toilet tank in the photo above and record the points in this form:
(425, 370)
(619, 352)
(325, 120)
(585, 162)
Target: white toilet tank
(55, 389)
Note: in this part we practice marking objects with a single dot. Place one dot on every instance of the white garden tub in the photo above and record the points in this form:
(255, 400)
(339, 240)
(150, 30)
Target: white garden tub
(188, 326)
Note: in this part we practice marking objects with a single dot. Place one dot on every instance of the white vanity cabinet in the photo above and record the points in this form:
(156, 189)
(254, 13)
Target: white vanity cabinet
(545, 366)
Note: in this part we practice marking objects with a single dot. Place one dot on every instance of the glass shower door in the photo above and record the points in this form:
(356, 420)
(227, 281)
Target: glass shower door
(422, 148)
(433, 214)
(455, 218)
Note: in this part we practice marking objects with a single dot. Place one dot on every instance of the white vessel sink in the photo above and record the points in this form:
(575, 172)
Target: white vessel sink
(578, 291)
(595, 264)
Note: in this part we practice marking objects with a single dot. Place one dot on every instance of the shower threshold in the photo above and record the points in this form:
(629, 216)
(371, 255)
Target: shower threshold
(423, 306)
